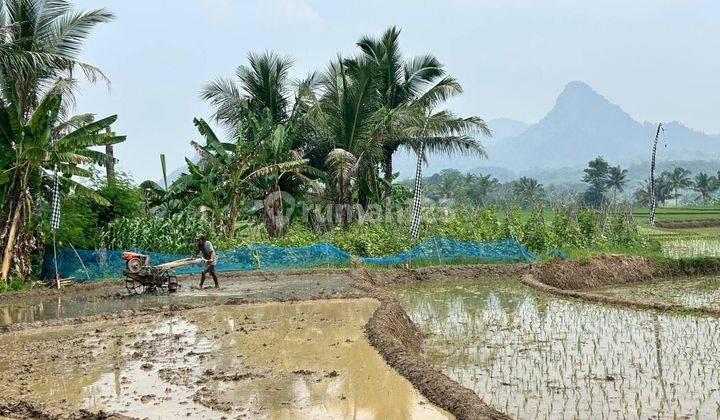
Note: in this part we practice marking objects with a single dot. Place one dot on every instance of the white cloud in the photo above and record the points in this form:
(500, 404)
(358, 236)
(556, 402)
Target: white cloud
(297, 10)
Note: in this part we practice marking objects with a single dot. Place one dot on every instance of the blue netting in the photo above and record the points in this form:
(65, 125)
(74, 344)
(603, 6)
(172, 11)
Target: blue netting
(447, 250)
(282, 257)
(101, 264)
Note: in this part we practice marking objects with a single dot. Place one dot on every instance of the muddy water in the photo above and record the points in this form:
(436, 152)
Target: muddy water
(114, 298)
(534, 356)
(693, 292)
(301, 360)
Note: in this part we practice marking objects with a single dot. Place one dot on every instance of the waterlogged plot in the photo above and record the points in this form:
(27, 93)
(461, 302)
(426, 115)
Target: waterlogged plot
(693, 292)
(302, 360)
(691, 248)
(534, 356)
(113, 299)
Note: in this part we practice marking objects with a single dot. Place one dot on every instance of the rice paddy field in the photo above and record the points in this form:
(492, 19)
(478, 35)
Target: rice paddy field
(531, 355)
(681, 213)
(687, 242)
(683, 242)
(692, 292)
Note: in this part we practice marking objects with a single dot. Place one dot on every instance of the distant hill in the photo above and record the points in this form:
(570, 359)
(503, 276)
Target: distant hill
(583, 124)
(502, 128)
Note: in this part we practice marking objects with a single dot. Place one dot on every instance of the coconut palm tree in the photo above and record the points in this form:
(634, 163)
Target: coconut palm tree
(528, 190)
(481, 186)
(616, 179)
(419, 84)
(705, 185)
(262, 84)
(344, 114)
(678, 179)
(49, 35)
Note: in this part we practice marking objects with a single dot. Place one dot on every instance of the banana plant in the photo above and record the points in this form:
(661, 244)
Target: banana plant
(229, 175)
(32, 150)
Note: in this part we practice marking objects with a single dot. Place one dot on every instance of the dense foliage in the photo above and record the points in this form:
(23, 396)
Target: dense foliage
(40, 43)
(538, 230)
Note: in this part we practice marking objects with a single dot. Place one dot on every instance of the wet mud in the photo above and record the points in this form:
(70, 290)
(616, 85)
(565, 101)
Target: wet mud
(112, 297)
(279, 360)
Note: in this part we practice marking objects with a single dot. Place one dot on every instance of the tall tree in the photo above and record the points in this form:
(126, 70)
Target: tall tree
(679, 178)
(705, 185)
(403, 84)
(527, 191)
(262, 84)
(596, 176)
(344, 113)
(479, 187)
(616, 180)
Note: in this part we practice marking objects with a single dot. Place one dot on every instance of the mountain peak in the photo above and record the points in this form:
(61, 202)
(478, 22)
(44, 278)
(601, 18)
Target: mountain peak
(579, 102)
(579, 92)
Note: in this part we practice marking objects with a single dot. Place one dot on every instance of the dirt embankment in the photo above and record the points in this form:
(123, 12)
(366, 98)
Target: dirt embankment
(603, 270)
(400, 342)
(688, 224)
(390, 276)
(565, 278)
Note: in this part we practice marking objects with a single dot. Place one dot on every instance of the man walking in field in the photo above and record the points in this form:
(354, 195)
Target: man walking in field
(208, 252)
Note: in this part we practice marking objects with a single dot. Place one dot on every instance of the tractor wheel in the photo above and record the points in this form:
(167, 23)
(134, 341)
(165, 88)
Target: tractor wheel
(172, 283)
(134, 265)
(131, 286)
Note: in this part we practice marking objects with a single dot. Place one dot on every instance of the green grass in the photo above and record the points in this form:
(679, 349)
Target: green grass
(677, 214)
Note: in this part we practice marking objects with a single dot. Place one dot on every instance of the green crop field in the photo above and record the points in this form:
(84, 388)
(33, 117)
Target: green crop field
(676, 214)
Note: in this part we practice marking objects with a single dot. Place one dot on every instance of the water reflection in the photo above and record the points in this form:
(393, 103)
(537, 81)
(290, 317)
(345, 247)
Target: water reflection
(302, 360)
(534, 356)
(105, 300)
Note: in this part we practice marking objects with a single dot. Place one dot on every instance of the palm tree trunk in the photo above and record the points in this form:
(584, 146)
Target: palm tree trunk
(388, 169)
(110, 161)
(232, 215)
(12, 235)
(14, 201)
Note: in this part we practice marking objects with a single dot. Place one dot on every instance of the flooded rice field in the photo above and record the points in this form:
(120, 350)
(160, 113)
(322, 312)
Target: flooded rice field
(535, 356)
(693, 292)
(273, 360)
(114, 298)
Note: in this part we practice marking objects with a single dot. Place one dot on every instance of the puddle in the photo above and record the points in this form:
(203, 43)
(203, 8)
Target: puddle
(693, 292)
(100, 301)
(278, 360)
(535, 356)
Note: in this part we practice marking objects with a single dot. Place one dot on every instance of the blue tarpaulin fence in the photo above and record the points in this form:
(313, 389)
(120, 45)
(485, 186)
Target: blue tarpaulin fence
(102, 264)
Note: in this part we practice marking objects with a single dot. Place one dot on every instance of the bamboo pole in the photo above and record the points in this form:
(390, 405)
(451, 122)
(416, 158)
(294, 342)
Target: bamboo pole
(81, 262)
(652, 177)
(57, 274)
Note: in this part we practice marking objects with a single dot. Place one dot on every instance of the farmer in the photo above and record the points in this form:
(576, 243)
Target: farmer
(208, 252)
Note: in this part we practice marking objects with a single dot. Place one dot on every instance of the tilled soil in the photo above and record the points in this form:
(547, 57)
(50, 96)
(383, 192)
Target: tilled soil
(280, 360)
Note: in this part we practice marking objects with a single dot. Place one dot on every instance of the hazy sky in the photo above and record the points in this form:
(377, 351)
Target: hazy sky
(658, 59)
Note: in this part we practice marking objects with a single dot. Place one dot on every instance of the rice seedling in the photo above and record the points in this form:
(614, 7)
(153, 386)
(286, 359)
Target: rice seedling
(536, 356)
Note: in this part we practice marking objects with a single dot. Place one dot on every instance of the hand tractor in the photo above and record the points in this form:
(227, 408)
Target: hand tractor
(141, 277)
